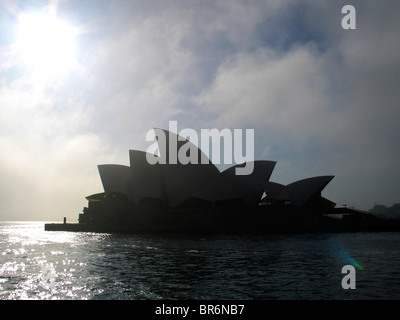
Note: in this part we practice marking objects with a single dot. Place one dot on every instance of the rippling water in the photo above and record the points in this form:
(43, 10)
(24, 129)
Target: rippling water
(37, 264)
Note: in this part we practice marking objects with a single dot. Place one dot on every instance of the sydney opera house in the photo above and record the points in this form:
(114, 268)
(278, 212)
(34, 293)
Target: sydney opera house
(198, 197)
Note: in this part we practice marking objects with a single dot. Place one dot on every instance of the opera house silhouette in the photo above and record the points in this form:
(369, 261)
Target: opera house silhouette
(190, 197)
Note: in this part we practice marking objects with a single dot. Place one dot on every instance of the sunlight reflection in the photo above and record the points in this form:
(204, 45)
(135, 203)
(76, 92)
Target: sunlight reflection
(30, 233)
(38, 264)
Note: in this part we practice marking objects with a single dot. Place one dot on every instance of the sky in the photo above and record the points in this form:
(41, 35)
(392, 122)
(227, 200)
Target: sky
(85, 86)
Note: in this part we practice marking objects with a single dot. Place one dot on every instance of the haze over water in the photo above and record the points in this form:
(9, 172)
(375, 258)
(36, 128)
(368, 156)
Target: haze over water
(37, 264)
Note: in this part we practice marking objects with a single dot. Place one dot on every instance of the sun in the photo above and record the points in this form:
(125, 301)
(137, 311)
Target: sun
(46, 44)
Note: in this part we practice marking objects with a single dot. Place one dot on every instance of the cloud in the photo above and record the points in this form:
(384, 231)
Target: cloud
(48, 185)
(327, 106)
(46, 150)
(266, 88)
(284, 96)
(321, 100)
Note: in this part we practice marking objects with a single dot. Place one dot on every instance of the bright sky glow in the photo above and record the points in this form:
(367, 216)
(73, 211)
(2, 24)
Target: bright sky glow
(46, 44)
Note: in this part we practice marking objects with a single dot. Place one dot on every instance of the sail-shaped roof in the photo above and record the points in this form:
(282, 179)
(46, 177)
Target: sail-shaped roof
(181, 181)
(301, 191)
(272, 189)
(146, 182)
(115, 178)
(217, 189)
(250, 186)
(173, 179)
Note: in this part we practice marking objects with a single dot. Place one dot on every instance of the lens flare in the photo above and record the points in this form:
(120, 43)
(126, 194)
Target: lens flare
(353, 262)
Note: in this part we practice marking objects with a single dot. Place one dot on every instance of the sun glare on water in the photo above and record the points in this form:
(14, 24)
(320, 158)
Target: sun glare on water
(46, 44)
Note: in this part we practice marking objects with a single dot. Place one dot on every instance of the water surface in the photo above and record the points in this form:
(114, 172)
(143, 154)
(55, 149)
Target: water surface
(38, 264)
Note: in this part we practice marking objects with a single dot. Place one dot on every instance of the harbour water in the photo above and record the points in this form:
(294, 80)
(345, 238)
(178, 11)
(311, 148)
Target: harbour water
(37, 264)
